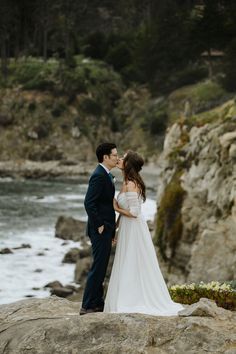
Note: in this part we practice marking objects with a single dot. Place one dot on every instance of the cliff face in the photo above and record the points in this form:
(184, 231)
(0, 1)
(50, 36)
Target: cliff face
(54, 326)
(44, 126)
(196, 217)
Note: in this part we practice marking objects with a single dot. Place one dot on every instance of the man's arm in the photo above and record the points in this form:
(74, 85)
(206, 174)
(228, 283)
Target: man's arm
(93, 194)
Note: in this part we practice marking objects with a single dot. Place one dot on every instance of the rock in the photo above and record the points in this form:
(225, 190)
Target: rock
(32, 135)
(53, 325)
(30, 295)
(81, 269)
(47, 153)
(172, 138)
(71, 256)
(214, 255)
(227, 139)
(204, 166)
(75, 132)
(75, 253)
(45, 169)
(69, 228)
(68, 162)
(38, 270)
(150, 225)
(24, 245)
(62, 291)
(232, 151)
(206, 308)
(72, 287)
(85, 252)
(54, 284)
(39, 131)
(6, 251)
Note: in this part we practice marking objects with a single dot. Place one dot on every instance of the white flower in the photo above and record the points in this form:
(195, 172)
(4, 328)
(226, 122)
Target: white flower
(213, 285)
(113, 178)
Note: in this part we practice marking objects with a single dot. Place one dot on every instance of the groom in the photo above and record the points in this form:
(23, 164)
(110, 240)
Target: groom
(101, 225)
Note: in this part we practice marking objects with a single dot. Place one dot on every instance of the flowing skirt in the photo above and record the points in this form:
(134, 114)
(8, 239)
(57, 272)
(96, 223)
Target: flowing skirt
(136, 283)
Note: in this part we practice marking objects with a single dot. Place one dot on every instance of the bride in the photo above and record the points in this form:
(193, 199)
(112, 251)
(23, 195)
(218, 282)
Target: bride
(136, 282)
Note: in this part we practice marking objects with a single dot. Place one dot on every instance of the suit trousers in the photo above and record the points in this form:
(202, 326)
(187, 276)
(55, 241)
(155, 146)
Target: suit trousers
(101, 249)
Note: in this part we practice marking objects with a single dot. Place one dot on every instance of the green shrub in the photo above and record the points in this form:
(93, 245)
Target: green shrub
(155, 118)
(34, 74)
(72, 81)
(83, 76)
(223, 294)
(90, 106)
(58, 109)
(95, 45)
(24, 71)
(188, 76)
(119, 56)
(32, 106)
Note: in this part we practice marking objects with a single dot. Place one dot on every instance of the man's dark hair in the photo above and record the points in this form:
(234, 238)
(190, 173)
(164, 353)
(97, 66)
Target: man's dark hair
(104, 149)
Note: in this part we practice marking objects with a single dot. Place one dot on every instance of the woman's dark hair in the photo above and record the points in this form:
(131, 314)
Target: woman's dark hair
(104, 149)
(133, 163)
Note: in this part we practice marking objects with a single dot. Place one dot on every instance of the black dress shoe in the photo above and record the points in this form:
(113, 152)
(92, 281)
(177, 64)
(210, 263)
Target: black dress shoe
(86, 311)
(99, 309)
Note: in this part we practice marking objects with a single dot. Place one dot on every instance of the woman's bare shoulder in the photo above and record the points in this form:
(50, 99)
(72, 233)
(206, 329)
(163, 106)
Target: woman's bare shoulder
(131, 186)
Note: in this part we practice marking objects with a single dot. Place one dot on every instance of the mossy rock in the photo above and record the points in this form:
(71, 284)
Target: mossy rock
(221, 113)
(169, 221)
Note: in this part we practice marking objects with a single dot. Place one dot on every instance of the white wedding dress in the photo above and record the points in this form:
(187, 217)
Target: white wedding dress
(136, 282)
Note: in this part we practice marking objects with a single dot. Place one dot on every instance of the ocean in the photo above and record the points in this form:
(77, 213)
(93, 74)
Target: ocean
(29, 210)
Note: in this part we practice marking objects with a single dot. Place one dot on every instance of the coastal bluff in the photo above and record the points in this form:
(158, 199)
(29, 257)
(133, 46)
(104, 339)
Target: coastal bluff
(53, 325)
(196, 202)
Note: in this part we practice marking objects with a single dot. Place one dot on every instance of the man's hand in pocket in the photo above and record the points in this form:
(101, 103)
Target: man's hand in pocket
(101, 229)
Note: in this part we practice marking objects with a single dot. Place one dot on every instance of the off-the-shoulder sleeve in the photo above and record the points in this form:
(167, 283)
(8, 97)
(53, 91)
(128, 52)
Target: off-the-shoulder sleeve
(133, 203)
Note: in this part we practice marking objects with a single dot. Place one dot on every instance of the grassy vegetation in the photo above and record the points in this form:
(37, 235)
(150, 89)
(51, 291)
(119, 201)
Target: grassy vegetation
(89, 95)
(41, 94)
(222, 113)
(191, 100)
(82, 76)
(224, 294)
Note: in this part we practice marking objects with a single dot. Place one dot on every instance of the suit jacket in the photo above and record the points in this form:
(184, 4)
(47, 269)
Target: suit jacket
(99, 202)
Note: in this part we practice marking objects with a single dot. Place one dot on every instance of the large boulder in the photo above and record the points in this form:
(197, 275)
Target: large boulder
(68, 228)
(53, 326)
(81, 270)
(75, 254)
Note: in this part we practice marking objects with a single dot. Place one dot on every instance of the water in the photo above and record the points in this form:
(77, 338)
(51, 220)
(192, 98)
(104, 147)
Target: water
(29, 210)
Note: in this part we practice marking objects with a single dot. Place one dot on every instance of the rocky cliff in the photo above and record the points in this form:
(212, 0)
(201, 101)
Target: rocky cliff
(53, 326)
(196, 214)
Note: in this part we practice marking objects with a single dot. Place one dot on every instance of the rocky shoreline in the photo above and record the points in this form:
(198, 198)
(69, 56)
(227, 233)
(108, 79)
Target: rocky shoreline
(66, 170)
(53, 326)
(48, 169)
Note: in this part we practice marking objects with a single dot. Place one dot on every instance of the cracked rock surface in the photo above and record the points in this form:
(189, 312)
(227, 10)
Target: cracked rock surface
(53, 325)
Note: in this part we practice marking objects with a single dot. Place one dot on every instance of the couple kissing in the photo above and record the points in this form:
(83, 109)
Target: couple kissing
(136, 283)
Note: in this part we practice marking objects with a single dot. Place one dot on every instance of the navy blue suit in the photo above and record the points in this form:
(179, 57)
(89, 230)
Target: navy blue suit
(99, 207)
